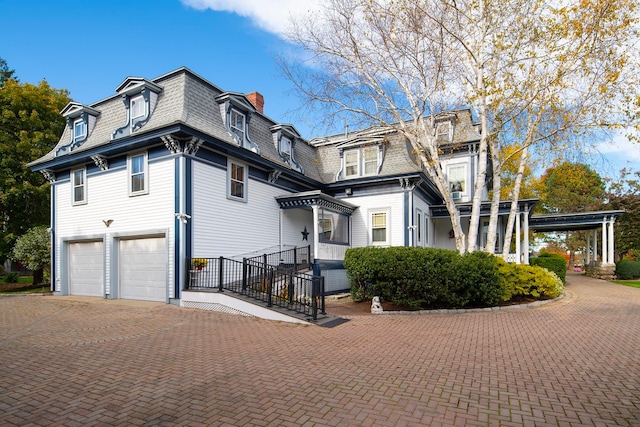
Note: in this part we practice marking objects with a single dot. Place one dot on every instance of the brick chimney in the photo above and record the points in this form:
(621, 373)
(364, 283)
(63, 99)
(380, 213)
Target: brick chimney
(257, 100)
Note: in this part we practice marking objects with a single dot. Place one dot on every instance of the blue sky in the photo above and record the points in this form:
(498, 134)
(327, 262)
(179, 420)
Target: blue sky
(90, 46)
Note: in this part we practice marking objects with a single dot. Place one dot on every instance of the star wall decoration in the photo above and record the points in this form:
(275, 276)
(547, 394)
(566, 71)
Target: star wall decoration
(305, 234)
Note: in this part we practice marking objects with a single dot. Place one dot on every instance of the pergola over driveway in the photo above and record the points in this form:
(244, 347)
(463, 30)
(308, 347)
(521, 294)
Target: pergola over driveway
(587, 221)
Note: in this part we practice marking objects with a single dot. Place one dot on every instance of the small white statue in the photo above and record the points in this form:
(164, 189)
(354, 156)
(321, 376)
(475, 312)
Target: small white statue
(376, 307)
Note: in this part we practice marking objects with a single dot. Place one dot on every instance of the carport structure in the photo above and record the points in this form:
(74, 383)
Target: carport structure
(593, 223)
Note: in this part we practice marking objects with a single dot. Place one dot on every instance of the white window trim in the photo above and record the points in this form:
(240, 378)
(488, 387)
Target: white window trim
(372, 212)
(364, 160)
(245, 180)
(286, 146)
(464, 167)
(76, 123)
(144, 106)
(419, 229)
(233, 127)
(75, 202)
(443, 128)
(357, 163)
(130, 174)
(361, 161)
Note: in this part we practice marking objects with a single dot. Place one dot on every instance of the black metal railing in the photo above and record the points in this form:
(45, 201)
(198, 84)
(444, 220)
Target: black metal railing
(275, 285)
(298, 258)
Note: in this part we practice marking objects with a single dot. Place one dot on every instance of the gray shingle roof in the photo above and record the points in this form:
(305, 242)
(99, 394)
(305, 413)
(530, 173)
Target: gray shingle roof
(189, 99)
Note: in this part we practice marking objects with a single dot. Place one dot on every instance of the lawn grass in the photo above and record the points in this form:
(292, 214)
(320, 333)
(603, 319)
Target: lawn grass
(632, 283)
(22, 279)
(39, 289)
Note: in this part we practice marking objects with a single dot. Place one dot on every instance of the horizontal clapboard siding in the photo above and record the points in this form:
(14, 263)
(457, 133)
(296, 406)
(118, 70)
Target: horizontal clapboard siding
(394, 202)
(108, 199)
(224, 227)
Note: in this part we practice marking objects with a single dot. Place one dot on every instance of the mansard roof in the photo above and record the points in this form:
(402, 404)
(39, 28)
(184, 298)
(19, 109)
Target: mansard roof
(184, 100)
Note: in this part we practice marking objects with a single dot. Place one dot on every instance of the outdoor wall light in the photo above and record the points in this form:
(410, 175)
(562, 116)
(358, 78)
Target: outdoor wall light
(183, 217)
(348, 191)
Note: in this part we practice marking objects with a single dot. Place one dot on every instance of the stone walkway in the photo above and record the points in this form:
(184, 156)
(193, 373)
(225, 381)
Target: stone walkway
(82, 361)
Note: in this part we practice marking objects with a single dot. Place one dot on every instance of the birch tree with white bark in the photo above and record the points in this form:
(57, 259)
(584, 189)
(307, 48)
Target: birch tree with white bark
(532, 70)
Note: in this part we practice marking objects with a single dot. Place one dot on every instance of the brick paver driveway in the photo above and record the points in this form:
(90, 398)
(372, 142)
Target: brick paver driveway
(74, 361)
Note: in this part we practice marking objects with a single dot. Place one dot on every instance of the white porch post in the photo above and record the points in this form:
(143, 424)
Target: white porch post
(588, 247)
(316, 249)
(604, 241)
(526, 234)
(611, 257)
(595, 245)
(518, 249)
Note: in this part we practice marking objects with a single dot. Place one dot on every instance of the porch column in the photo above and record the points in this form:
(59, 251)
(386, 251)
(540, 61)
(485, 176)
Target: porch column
(526, 234)
(595, 245)
(588, 247)
(518, 249)
(604, 241)
(611, 257)
(316, 250)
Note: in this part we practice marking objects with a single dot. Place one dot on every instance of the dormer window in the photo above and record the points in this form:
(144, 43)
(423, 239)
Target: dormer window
(444, 131)
(361, 161)
(284, 140)
(79, 130)
(81, 120)
(285, 147)
(237, 122)
(236, 111)
(140, 97)
(137, 107)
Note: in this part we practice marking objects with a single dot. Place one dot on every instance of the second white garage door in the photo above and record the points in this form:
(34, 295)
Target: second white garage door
(143, 269)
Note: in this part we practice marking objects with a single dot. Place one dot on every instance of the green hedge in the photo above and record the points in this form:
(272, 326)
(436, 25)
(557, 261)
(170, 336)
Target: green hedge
(423, 277)
(552, 262)
(520, 282)
(628, 269)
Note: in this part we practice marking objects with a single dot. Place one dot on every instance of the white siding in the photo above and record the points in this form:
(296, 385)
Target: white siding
(293, 223)
(223, 227)
(394, 202)
(427, 229)
(108, 199)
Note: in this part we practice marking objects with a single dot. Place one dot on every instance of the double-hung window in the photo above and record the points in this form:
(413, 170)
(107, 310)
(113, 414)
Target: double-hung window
(352, 163)
(285, 147)
(370, 160)
(79, 130)
(138, 174)
(138, 107)
(79, 186)
(379, 227)
(237, 124)
(443, 131)
(361, 161)
(457, 175)
(237, 181)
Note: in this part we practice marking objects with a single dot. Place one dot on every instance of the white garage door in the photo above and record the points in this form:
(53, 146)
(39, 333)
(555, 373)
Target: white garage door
(86, 268)
(143, 269)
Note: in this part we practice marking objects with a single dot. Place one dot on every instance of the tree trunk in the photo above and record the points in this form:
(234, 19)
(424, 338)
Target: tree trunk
(515, 197)
(38, 276)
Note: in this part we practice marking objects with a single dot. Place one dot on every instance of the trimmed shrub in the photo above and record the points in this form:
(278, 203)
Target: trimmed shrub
(11, 278)
(552, 262)
(520, 282)
(628, 269)
(475, 281)
(423, 277)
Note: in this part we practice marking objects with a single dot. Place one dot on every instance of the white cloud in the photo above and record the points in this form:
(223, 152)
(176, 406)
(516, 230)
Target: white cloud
(270, 15)
(618, 153)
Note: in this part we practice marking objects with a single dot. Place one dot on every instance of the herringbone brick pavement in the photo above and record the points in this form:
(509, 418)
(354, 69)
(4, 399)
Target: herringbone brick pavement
(74, 362)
